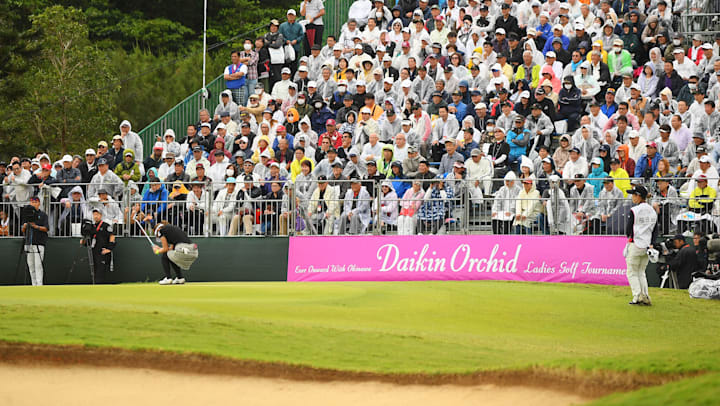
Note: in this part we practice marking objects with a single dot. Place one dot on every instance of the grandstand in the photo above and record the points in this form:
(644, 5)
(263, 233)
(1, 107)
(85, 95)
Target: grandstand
(470, 118)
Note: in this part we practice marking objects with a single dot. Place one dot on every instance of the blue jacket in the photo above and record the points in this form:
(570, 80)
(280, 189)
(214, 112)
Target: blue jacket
(545, 31)
(461, 110)
(609, 111)
(516, 151)
(596, 179)
(151, 200)
(642, 164)
(548, 44)
(319, 118)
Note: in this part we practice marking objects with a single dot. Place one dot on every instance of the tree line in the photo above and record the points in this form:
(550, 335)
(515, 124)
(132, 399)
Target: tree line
(70, 71)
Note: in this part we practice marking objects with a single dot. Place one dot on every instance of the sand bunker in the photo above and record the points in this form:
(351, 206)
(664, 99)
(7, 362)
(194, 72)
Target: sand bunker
(109, 386)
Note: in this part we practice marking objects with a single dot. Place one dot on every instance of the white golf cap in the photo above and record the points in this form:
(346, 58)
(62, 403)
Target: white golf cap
(706, 46)
(312, 83)
(678, 51)
(358, 46)
(551, 54)
(291, 11)
(705, 159)
(377, 71)
(387, 58)
(265, 153)
(633, 134)
(388, 80)
(496, 66)
(579, 27)
(407, 83)
(219, 126)
(89, 151)
(525, 94)
(66, 158)
(360, 83)
(380, 48)
(500, 31)
(285, 71)
(531, 31)
(596, 161)
(337, 47)
(480, 106)
(557, 27)
(302, 68)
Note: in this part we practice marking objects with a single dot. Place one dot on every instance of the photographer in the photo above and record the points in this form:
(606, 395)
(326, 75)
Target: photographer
(684, 263)
(35, 228)
(100, 238)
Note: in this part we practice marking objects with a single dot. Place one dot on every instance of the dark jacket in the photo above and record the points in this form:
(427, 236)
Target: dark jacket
(676, 83)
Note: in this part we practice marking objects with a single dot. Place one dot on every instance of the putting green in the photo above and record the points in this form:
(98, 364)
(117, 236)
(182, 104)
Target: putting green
(403, 327)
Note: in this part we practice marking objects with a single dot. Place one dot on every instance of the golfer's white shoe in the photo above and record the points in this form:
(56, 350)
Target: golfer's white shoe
(165, 281)
(178, 281)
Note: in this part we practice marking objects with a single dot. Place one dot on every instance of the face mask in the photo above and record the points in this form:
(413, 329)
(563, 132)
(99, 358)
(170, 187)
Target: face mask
(567, 86)
(342, 89)
(490, 129)
(676, 42)
(247, 47)
(301, 101)
(229, 172)
(692, 86)
(318, 106)
(617, 50)
(596, 25)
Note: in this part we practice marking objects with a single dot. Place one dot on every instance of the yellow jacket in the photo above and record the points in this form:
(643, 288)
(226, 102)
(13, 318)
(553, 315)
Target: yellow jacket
(701, 198)
(295, 167)
(621, 180)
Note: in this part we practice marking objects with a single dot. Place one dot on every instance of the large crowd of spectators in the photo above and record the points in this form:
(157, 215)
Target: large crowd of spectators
(543, 112)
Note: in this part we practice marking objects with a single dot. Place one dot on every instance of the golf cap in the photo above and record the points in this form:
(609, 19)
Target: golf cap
(475, 152)
(651, 145)
(118, 137)
(638, 190)
(596, 161)
(66, 158)
(705, 159)
(102, 161)
(575, 149)
(89, 151)
(100, 144)
(128, 153)
(480, 106)
(102, 192)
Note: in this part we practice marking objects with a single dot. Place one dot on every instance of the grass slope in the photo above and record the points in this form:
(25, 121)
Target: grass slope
(379, 327)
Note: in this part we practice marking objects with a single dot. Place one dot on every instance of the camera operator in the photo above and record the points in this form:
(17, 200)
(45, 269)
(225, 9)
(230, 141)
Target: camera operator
(35, 228)
(684, 263)
(102, 241)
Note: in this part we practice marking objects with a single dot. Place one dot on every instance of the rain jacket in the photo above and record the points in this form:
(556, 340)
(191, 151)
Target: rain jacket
(125, 168)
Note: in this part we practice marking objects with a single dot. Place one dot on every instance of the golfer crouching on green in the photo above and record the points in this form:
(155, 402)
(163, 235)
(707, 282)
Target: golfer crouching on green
(177, 251)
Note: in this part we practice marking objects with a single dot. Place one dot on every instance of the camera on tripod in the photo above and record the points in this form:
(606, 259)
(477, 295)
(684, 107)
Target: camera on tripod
(28, 214)
(87, 230)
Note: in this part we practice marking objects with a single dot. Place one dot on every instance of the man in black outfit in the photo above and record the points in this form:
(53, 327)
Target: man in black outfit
(684, 263)
(102, 244)
(177, 251)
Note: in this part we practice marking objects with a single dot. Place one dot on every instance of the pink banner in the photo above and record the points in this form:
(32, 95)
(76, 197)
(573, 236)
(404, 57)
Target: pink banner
(576, 259)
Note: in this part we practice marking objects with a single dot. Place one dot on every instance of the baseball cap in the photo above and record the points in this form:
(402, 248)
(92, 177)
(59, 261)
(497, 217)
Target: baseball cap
(46, 167)
(705, 159)
(102, 144)
(330, 121)
(475, 152)
(575, 149)
(89, 151)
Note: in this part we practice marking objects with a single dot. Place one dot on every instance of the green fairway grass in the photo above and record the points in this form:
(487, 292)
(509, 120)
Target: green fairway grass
(402, 327)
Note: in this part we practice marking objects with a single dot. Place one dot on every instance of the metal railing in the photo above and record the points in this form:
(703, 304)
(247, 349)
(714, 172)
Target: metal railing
(705, 22)
(397, 206)
(182, 114)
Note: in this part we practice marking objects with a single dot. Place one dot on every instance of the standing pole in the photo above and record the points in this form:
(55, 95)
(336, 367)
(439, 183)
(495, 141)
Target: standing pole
(204, 90)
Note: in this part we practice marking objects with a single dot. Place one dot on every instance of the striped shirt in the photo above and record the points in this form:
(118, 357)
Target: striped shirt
(251, 64)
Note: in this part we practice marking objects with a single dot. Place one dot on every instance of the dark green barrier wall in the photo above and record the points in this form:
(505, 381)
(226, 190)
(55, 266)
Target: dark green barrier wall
(221, 259)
